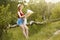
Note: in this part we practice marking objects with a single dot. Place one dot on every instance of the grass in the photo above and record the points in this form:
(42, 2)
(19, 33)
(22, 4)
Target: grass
(36, 32)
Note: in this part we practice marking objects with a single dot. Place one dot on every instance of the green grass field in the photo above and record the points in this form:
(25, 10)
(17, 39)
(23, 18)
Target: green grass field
(36, 32)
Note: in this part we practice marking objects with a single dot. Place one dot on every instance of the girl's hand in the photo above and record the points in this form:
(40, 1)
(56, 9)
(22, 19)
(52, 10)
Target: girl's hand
(23, 16)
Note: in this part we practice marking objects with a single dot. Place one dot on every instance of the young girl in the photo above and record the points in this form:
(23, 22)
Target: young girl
(20, 21)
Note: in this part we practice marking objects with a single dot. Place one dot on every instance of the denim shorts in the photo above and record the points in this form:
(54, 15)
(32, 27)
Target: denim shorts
(20, 21)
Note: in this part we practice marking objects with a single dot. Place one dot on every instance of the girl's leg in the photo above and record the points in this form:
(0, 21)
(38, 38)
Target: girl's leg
(26, 30)
(25, 26)
(23, 29)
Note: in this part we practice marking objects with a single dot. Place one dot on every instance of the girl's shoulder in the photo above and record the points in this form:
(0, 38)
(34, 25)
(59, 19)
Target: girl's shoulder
(18, 12)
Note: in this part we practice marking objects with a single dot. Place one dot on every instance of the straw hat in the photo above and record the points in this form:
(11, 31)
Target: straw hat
(19, 5)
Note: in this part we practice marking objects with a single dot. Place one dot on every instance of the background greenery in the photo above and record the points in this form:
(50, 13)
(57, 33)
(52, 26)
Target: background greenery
(42, 12)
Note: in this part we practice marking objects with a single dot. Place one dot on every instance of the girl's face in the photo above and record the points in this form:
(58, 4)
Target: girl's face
(21, 7)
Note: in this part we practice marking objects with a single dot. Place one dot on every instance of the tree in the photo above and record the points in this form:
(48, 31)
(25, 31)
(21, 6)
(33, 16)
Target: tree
(56, 11)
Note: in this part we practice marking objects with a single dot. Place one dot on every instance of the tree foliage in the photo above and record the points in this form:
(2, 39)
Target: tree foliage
(8, 12)
(56, 11)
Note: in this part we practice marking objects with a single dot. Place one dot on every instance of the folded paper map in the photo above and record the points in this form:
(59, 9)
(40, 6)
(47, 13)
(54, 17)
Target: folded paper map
(29, 12)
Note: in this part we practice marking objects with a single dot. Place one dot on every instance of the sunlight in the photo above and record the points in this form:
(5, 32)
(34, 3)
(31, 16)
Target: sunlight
(52, 1)
(27, 1)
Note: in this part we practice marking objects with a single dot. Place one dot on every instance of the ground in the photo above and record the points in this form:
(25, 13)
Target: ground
(36, 32)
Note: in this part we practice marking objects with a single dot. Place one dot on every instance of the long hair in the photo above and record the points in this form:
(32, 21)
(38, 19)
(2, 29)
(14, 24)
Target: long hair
(19, 8)
(19, 5)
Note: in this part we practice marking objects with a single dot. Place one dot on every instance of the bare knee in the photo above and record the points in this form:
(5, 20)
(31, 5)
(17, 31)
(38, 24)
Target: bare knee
(26, 28)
